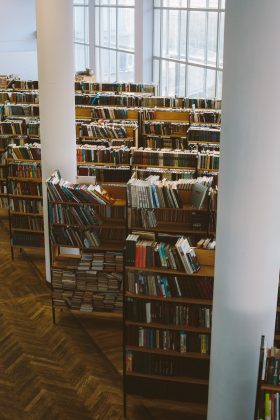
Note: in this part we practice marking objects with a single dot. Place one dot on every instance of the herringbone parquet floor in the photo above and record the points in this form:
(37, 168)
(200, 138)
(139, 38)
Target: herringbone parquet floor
(71, 370)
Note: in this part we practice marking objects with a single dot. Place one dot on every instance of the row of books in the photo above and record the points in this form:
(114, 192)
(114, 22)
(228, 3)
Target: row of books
(166, 286)
(168, 313)
(27, 239)
(27, 222)
(118, 155)
(23, 84)
(114, 87)
(156, 193)
(60, 190)
(75, 237)
(166, 340)
(22, 110)
(165, 128)
(270, 406)
(152, 364)
(206, 117)
(4, 202)
(20, 127)
(101, 261)
(87, 301)
(28, 151)
(165, 157)
(106, 173)
(180, 220)
(24, 97)
(105, 131)
(72, 215)
(204, 134)
(203, 103)
(3, 172)
(151, 254)
(25, 170)
(136, 101)
(26, 206)
(110, 113)
(25, 188)
(158, 142)
(90, 280)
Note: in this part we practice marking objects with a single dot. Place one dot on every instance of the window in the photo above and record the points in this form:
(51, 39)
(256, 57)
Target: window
(81, 34)
(188, 47)
(114, 40)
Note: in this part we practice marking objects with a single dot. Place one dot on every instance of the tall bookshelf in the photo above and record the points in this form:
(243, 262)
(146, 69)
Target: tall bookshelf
(87, 238)
(167, 310)
(24, 188)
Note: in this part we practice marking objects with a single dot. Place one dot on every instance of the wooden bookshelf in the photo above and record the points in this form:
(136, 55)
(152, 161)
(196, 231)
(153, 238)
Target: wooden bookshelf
(66, 257)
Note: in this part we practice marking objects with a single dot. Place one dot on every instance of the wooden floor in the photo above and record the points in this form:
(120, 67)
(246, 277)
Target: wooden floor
(71, 370)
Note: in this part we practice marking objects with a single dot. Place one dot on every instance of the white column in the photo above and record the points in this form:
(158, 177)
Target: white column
(143, 41)
(57, 96)
(248, 246)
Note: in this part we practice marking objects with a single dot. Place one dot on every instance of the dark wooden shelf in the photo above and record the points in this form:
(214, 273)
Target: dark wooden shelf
(183, 379)
(186, 300)
(205, 271)
(187, 355)
(173, 327)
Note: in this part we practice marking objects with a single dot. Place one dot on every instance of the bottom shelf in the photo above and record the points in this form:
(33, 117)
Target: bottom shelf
(179, 379)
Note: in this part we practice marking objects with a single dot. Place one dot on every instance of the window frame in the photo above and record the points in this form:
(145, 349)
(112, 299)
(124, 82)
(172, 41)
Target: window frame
(160, 58)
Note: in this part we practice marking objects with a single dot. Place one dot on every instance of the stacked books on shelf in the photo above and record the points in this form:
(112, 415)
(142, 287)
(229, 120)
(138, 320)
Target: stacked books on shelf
(116, 155)
(22, 110)
(94, 281)
(204, 134)
(141, 253)
(202, 103)
(165, 158)
(268, 392)
(26, 152)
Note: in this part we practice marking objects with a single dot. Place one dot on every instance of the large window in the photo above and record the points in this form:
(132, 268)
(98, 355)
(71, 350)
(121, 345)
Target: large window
(188, 47)
(81, 33)
(114, 40)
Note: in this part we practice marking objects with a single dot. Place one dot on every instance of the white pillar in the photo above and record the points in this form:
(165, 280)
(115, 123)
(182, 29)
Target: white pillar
(143, 41)
(248, 246)
(57, 96)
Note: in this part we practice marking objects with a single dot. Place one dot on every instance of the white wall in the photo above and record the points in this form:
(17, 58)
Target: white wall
(18, 50)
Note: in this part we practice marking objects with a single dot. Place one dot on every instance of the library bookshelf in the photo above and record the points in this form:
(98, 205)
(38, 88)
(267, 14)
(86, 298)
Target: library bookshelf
(86, 244)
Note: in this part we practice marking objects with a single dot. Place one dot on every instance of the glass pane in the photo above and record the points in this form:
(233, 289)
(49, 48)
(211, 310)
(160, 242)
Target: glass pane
(164, 77)
(223, 4)
(157, 3)
(125, 67)
(213, 4)
(175, 3)
(107, 2)
(108, 65)
(197, 37)
(221, 39)
(210, 83)
(86, 25)
(196, 4)
(108, 36)
(126, 2)
(126, 29)
(79, 2)
(183, 34)
(87, 56)
(79, 24)
(181, 86)
(156, 32)
(156, 72)
(97, 21)
(196, 82)
(219, 84)
(212, 38)
(172, 67)
(80, 57)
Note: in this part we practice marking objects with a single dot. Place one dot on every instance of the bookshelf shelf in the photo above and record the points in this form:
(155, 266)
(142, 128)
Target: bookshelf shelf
(185, 300)
(33, 197)
(189, 355)
(22, 213)
(183, 379)
(41, 232)
(270, 388)
(13, 178)
(171, 229)
(172, 327)
(104, 164)
(149, 165)
(14, 161)
(205, 271)
(118, 203)
(110, 246)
